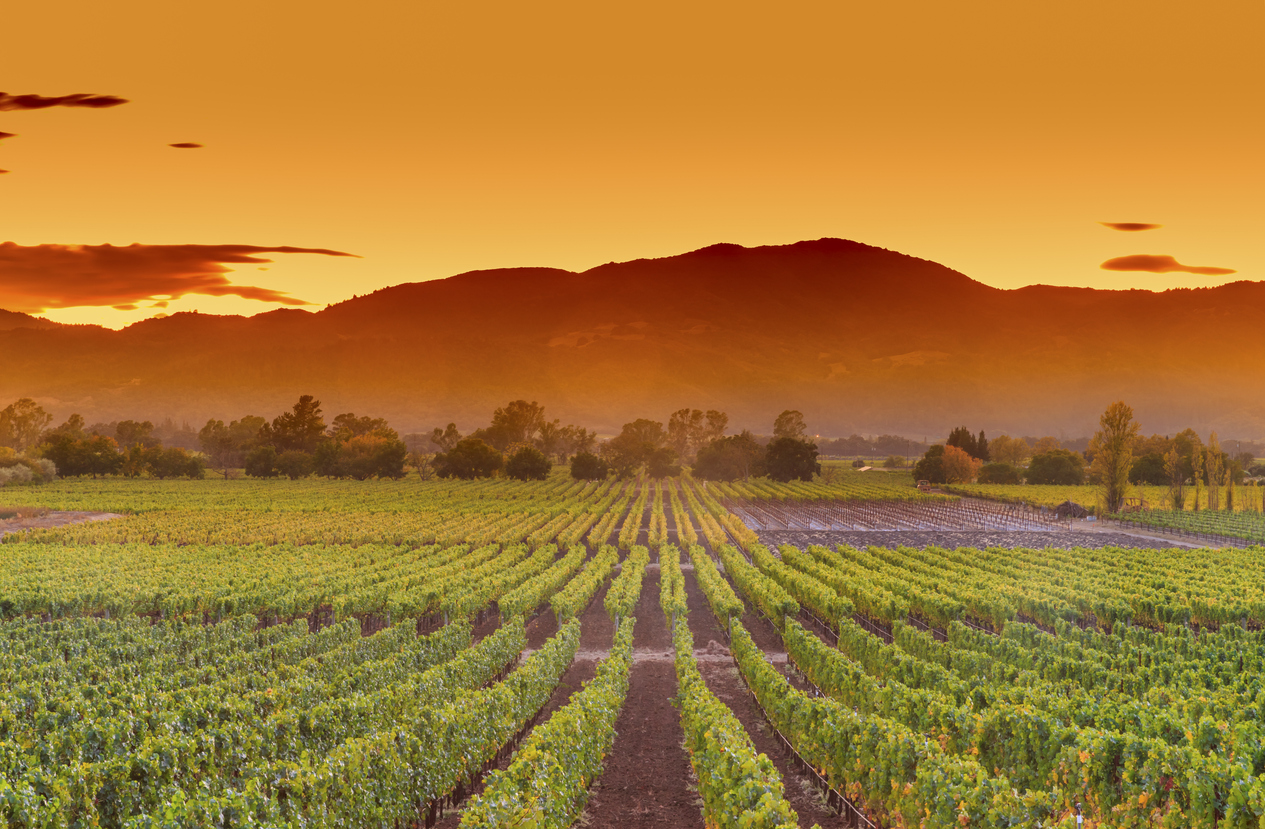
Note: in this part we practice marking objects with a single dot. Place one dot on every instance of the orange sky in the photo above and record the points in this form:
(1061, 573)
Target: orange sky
(429, 139)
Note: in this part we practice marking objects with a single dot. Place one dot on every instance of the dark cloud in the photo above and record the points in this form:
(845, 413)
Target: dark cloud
(2, 172)
(80, 99)
(4, 135)
(188, 145)
(1153, 263)
(1129, 225)
(42, 277)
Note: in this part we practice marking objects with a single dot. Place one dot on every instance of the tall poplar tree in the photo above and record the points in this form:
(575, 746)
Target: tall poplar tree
(1112, 446)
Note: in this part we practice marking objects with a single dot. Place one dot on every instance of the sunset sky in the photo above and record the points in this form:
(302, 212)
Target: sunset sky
(428, 139)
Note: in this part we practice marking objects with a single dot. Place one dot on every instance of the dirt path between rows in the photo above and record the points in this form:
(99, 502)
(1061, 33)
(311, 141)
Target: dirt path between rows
(724, 681)
(33, 519)
(596, 633)
(647, 780)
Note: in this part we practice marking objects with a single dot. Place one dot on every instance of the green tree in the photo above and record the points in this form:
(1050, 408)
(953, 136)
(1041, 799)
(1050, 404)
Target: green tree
(662, 463)
(790, 424)
(551, 437)
(1149, 469)
(1012, 451)
(1058, 466)
(445, 438)
(789, 459)
(515, 423)
(21, 424)
(625, 454)
(633, 446)
(642, 430)
(218, 445)
(174, 462)
(931, 467)
(685, 430)
(976, 447)
(132, 433)
(327, 460)
(1112, 446)
(691, 429)
(528, 464)
(999, 473)
(295, 464)
(729, 458)
(261, 462)
(1175, 477)
(1214, 463)
(299, 429)
(1197, 472)
(101, 456)
(347, 426)
(585, 466)
(73, 427)
(578, 439)
(470, 458)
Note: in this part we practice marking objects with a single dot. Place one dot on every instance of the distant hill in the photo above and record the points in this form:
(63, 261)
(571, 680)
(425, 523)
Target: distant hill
(859, 338)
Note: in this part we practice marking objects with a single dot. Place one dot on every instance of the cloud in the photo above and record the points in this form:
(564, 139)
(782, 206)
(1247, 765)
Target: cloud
(187, 145)
(1152, 263)
(2, 172)
(80, 99)
(1129, 225)
(42, 277)
(4, 135)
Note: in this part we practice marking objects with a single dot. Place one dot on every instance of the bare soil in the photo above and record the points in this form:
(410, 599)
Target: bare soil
(31, 518)
(724, 681)
(582, 669)
(981, 539)
(647, 781)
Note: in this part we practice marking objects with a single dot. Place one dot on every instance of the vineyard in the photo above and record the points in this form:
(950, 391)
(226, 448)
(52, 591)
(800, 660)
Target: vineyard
(1248, 527)
(624, 653)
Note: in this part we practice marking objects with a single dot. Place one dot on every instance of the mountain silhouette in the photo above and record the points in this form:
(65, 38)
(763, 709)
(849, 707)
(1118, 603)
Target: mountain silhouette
(858, 338)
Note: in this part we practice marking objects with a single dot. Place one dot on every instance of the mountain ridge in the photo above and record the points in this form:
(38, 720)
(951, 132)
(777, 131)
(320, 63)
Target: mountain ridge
(857, 337)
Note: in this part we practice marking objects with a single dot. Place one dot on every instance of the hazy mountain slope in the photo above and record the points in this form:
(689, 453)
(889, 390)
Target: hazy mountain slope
(859, 338)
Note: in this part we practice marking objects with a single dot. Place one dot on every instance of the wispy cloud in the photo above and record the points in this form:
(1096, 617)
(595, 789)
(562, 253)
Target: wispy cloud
(79, 99)
(186, 145)
(1154, 263)
(37, 278)
(1132, 226)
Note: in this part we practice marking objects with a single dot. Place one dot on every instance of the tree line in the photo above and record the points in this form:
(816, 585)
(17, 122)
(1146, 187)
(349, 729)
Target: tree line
(522, 443)
(1117, 457)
